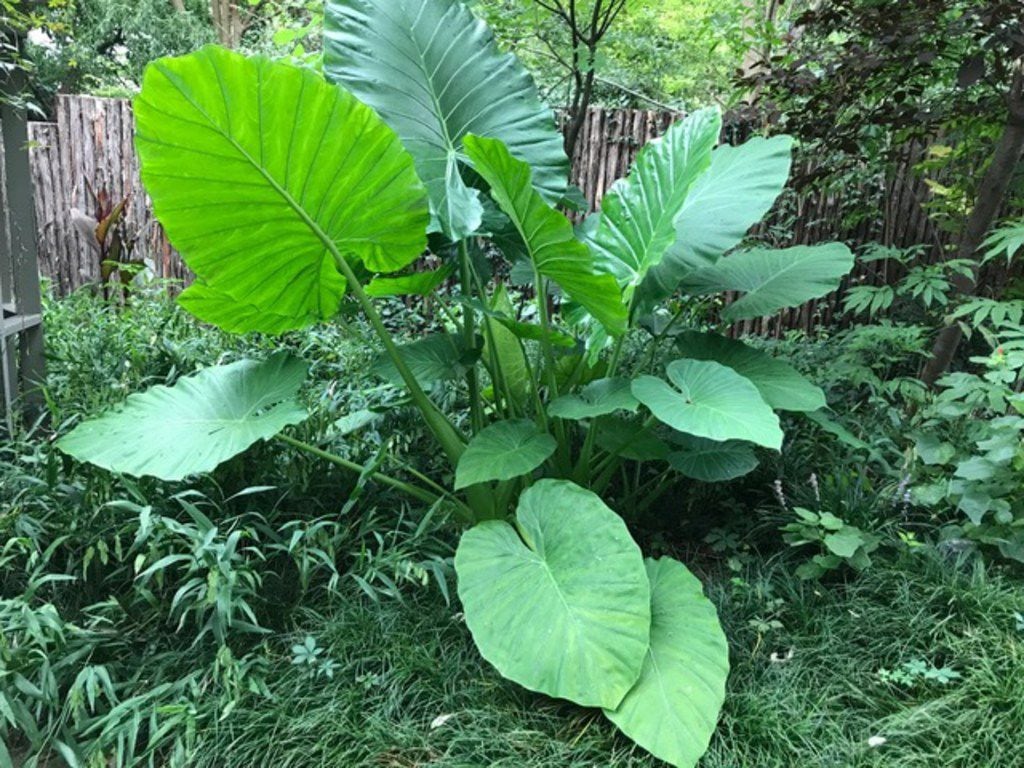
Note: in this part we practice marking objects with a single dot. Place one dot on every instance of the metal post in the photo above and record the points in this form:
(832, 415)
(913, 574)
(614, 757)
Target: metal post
(21, 332)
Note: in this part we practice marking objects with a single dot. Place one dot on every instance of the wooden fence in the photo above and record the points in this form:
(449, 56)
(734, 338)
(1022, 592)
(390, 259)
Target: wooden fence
(84, 159)
(87, 154)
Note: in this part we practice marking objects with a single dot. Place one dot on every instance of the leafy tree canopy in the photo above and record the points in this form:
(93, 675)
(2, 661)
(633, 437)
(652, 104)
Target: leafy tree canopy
(680, 53)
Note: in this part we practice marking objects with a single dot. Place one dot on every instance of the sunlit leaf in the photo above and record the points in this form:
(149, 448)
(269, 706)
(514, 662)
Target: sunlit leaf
(638, 214)
(735, 193)
(260, 209)
(551, 244)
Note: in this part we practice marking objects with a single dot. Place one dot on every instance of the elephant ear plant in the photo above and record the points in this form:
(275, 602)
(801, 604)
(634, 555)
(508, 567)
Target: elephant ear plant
(288, 194)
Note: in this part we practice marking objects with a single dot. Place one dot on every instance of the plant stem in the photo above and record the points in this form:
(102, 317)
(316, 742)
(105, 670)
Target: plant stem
(606, 469)
(587, 452)
(452, 443)
(564, 457)
(411, 490)
(469, 337)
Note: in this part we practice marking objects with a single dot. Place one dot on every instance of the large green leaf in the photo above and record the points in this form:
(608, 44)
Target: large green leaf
(503, 451)
(550, 242)
(733, 195)
(559, 602)
(439, 357)
(773, 279)
(780, 384)
(435, 74)
(263, 174)
(191, 427)
(598, 398)
(712, 462)
(638, 215)
(712, 401)
(672, 711)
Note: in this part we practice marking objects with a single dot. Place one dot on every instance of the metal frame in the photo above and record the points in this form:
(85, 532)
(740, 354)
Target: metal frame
(22, 363)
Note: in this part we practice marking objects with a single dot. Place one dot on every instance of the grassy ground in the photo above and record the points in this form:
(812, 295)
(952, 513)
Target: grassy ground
(917, 662)
(806, 693)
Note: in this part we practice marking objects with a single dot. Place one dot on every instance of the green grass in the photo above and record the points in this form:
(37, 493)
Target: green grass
(805, 691)
(401, 666)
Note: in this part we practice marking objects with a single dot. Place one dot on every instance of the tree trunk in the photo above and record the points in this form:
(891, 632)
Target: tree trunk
(578, 114)
(227, 20)
(179, 5)
(756, 61)
(992, 190)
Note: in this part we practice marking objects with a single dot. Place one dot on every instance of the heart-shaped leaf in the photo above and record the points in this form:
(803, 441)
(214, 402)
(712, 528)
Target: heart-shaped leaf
(560, 602)
(672, 711)
(435, 74)
(712, 401)
(551, 244)
(502, 451)
(598, 398)
(200, 422)
(264, 175)
(780, 384)
(712, 462)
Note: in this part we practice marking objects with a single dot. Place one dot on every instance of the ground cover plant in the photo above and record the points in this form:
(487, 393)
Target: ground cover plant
(315, 195)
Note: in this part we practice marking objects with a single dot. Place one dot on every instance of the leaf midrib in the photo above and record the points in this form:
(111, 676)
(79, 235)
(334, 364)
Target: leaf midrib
(327, 241)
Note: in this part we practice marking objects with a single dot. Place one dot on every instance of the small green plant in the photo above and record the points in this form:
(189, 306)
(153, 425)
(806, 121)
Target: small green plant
(918, 672)
(968, 445)
(838, 542)
(290, 196)
(310, 657)
(927, 285)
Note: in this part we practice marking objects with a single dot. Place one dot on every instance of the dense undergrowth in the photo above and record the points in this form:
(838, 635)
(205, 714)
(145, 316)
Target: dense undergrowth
(281, 612)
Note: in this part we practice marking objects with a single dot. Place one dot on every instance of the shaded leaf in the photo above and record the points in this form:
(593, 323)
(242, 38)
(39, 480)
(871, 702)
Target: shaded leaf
(435, 74)
(780, 384)
(503, 451)
(195, 425)
(773, 279)
(598, 398)
(672, 711)
(712, 462)
(439, 357)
